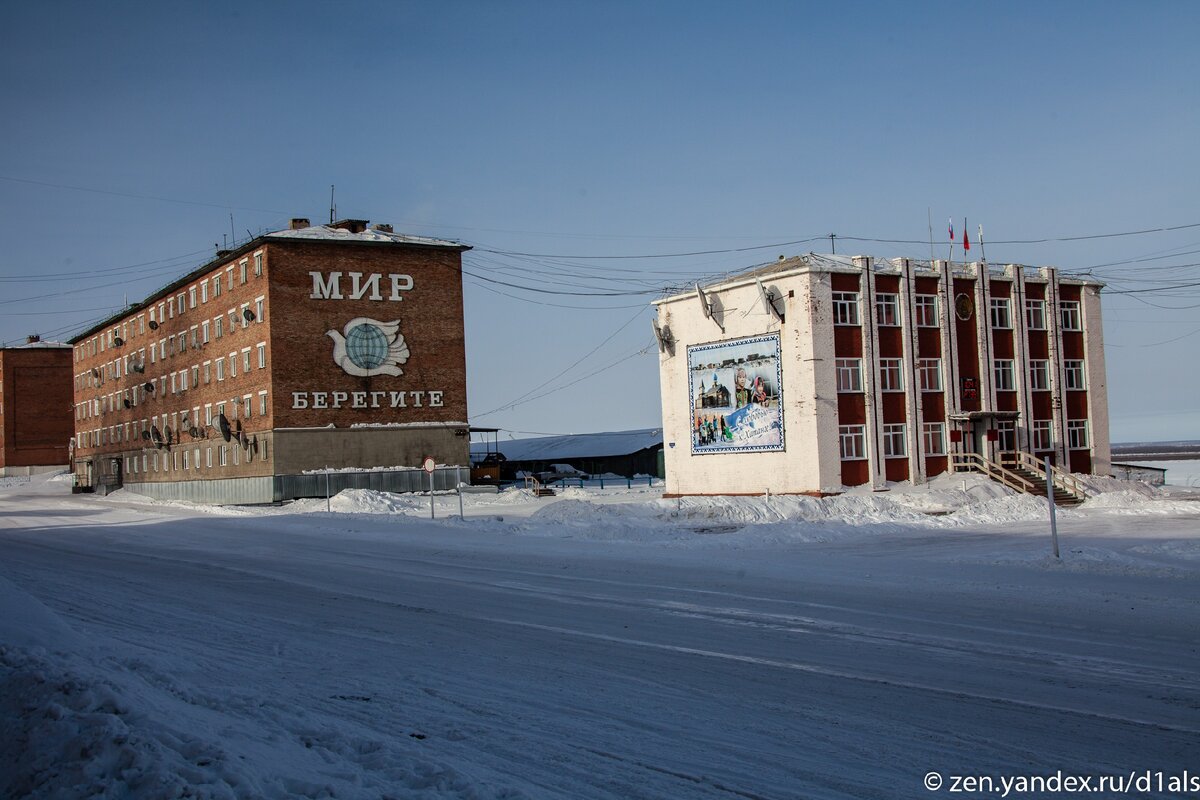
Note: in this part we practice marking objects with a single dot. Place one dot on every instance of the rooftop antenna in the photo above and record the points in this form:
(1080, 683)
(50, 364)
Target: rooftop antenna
(332, 207)
(832, 243)
(232, 232)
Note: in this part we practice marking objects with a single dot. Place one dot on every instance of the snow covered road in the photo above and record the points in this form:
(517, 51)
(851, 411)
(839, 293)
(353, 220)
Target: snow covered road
(149, 650)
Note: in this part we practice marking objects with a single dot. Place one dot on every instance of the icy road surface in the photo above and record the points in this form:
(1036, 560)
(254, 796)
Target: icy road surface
(636, 648)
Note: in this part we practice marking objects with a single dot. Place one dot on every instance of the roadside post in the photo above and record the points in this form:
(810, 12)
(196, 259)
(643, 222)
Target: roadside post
(1050, 497)
(429, 465)
(326, 488)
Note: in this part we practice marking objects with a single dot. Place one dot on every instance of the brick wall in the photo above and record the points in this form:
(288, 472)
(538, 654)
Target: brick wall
(35, 406)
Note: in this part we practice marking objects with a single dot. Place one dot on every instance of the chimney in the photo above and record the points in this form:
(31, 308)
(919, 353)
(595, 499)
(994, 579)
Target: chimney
(383, 227)
(32, 338)
(298, 223)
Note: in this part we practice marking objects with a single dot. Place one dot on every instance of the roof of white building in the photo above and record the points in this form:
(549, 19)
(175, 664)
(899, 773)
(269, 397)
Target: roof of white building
(326, 233)
(581, 445)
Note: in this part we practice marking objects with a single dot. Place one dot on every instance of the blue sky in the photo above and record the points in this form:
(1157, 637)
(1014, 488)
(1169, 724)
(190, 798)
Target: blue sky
(588, 129)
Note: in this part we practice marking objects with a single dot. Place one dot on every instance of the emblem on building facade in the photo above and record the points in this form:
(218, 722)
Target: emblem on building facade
(367, 347)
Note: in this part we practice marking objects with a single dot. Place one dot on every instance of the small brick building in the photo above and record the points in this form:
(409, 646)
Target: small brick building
(819, 372)
(335, 346)
(35, 408)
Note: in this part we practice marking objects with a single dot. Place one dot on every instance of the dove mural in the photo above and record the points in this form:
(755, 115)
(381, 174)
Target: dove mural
(367, 347)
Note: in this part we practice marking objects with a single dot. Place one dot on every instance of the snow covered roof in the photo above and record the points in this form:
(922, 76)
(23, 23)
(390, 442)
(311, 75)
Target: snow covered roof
(327, 233)
(581, 445)
(40, 344)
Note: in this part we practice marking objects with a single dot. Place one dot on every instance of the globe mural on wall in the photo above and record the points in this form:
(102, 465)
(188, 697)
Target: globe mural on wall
(367, 347)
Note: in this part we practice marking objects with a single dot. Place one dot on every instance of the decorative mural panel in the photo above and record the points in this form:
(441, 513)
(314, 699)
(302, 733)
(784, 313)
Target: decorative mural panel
(736, 393)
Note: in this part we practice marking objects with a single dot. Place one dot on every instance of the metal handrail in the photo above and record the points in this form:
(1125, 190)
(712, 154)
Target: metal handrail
(1061, 479)
(993, 470)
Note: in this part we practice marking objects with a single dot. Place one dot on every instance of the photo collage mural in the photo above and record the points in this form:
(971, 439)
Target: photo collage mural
(736, 395)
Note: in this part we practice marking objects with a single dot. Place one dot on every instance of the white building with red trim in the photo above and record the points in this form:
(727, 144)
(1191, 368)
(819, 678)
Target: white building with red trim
(819, 372)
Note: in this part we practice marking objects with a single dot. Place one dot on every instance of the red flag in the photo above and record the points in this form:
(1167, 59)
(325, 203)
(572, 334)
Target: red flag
(966, 238)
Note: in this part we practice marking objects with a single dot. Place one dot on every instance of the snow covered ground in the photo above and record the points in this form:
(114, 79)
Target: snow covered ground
(600, 644)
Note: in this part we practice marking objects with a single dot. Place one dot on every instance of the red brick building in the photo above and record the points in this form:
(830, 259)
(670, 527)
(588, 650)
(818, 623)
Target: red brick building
(335, 346)
(35, 408)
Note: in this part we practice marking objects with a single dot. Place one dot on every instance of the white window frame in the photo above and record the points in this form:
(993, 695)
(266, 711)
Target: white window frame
(1070, 315)
(852, 442)
(845, 308)
(887, 309)
(1035, 314)
(1074, 376)
(849, 374)
(1001, 312)
(895, 440)
(1042, 432)
(891, 375)
(1039, 375)
(1077, 434)
(1003, 375)
(926, 310)
(933, 438)
(929, 370)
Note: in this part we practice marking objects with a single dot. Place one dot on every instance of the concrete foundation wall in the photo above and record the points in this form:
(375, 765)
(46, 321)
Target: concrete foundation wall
(12, 472)
(303, 449)
(226, 491)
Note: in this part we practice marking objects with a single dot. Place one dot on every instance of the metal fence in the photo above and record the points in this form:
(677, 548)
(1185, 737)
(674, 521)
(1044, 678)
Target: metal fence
(322, 484)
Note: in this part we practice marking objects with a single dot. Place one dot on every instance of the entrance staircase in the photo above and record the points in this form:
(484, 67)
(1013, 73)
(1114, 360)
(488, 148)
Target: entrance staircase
(1024, 473)
(538, 488)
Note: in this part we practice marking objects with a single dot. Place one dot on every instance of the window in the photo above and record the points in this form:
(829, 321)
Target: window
(229, 277)
(262, 355)
(934, 435)
(895, 440)
(245, 315)
(192, 297)
(242, 270)
(845, 308)
(258, 309)
(247, 406)
(205, 329)
(1002, 368)
(852, 441)
(927, 310)
(1035, 315)
(258, 261)
(245, 359)
(1039, 375)
(220, 369)
(930, 372)
(262, 404)
(1007, 435)
(222, 456)
(887, 309)
(216, 284)
(207, 372)
(1073, 372)
(195, 337)
(233, 317)
(1041, 435)
(233, 359)
(891, 379)
(1001, 312)
(1077, 434)
(1070, 315)
(849, 375)
(208, 457)
(219, 323)
(195, 376)
(203, 291)
(171, 307)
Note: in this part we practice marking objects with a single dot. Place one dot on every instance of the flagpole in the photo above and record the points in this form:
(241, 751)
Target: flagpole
(982, 255)
(950, 255)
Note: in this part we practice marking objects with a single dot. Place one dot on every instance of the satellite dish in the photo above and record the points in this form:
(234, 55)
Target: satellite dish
(705, 307)
(149, 386)
(223, 426)
(95, 372)
(146, 435)
(247, 315)
(127, 403)
(156, 434)
(194, 432)
(168, 434)
(663, 335)
(138, 367)
(118, 341)
(153, 325)
(768, 300)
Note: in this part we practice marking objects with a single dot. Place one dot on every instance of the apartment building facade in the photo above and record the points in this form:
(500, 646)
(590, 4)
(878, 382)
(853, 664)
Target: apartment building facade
(821, 372)
(35, 408)
(332, 346)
